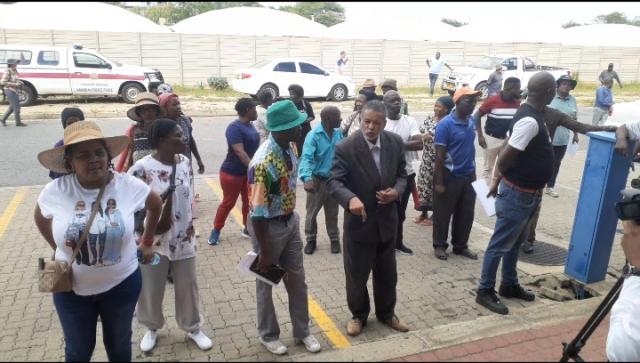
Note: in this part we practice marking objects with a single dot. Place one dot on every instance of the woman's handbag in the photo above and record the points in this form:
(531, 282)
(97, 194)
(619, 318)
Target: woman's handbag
(166, 219)
(56, 276)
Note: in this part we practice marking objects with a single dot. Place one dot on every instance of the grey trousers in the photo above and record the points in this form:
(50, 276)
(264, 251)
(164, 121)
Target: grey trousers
(599, 116)
(284, 240)
(14, 106)
(316, 200)
(154, 280)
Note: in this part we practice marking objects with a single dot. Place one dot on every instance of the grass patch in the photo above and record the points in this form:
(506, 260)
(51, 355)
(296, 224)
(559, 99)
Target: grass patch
(206, 92)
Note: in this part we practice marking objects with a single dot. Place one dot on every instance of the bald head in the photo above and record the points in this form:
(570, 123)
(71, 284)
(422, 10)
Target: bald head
(330, 115)
(542, 89)
(393, 103)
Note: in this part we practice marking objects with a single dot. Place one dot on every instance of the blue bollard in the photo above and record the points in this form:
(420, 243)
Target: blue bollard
(594, 227)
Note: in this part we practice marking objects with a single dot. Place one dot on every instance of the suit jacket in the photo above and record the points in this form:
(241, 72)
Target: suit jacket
(354, 173)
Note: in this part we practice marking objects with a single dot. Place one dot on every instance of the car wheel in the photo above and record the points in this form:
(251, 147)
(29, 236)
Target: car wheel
(27, 95)
(130, 91)
(484, 88)
(339, 93)
(272, 88)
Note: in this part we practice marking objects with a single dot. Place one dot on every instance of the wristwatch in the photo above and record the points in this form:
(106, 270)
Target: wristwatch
(630, 270)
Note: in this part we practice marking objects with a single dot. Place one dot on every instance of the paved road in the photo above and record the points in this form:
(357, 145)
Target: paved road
(19, 147)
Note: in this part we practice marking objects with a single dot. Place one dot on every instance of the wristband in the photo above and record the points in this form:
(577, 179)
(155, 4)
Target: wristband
(146, 242)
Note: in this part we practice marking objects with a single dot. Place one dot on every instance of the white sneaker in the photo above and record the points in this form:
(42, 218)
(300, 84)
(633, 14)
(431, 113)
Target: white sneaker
(149, 340)
(202, 341)
(275, 347)
(311, 343)
(552, 193)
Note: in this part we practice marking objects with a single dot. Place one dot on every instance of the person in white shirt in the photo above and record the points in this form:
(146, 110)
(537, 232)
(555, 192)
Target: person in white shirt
(109, 291)
(435, 65)
(623, 340)
(407, 128)
(342, 62)
(177, 246)
(266, 99)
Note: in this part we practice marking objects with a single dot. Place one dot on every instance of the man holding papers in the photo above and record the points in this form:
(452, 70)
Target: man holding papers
(455, 170)
(275, 226)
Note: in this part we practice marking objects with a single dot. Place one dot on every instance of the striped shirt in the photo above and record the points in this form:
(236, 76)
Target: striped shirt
(499, 115)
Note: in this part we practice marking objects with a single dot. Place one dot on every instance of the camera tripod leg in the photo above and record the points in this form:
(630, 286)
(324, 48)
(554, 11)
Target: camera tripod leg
(572, 350)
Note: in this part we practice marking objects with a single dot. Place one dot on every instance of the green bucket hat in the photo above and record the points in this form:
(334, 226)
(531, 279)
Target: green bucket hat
(283, 115)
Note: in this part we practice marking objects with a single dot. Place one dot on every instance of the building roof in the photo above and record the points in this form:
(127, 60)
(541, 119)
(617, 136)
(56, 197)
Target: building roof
(84, 16)
(250, 21)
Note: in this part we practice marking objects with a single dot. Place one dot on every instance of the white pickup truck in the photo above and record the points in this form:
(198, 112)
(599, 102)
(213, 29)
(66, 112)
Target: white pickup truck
(77, 71)
(477, 74)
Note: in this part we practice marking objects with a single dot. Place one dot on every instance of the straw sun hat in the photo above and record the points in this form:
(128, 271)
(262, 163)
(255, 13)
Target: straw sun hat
(143, 98)
(77, 132)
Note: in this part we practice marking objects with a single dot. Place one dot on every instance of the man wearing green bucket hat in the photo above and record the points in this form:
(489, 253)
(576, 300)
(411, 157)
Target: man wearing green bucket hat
(275, 226)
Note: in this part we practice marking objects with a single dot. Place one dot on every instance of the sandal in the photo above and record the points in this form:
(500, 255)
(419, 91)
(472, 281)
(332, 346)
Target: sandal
(441, 254)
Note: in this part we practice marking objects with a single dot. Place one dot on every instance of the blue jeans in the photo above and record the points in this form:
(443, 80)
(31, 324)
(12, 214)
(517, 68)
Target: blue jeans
(79, 318)
(514, 209)
(432, 82)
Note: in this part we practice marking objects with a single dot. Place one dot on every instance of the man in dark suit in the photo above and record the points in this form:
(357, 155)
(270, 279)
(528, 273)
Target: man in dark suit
(368, 177)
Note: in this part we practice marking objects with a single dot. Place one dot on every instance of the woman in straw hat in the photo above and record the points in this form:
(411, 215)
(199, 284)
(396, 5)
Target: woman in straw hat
(177, 247)
(111, 290)
(145, 110)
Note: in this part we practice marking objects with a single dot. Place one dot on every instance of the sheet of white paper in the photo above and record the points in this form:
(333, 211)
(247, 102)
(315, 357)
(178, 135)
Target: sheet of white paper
(572, 148)
(244, 266)
(488, 204)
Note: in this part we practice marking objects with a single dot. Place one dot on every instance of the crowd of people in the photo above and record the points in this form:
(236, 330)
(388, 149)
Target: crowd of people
(369, 163)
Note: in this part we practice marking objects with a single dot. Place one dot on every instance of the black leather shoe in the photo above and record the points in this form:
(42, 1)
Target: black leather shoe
(527, 247)
(335, 246)
(488, 299)
(21, 124)
(441, 253)
(404, 250)
(516, 292)
(466, 253)
(310, 247)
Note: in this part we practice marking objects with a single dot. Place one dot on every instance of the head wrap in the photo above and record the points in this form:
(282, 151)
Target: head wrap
(70, 112)
(447, 102)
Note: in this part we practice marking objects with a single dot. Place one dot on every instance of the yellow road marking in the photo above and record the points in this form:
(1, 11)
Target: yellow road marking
(317, 313)
(10, 211)
(327, 326)
(237, 215)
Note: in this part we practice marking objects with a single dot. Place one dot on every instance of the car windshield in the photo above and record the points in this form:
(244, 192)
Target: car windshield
(260, 64)
(486, 62)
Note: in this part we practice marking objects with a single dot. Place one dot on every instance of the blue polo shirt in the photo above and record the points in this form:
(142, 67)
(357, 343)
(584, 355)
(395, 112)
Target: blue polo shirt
(457, 137)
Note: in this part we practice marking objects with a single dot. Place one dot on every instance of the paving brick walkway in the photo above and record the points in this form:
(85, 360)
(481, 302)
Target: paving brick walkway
(532, 345)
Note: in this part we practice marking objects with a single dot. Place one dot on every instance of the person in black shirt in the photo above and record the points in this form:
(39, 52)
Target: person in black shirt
(296, 93)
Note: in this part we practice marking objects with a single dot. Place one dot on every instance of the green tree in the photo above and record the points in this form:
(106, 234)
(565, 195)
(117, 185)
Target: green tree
(615, 17)
(327, 13)
(454, 22)
(570, 24)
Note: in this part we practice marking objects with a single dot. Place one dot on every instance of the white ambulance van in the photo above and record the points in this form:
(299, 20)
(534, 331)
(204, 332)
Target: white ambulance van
(75, 71)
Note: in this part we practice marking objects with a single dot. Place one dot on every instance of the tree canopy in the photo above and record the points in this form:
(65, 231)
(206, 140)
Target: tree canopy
(454, 22)
(326, 13)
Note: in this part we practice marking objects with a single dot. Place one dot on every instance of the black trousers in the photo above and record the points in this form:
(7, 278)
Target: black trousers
(359, 260)
(305, 128)
(402, 208)
(457, 201)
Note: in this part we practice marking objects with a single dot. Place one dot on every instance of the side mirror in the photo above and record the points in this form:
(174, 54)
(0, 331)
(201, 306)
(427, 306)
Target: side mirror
(109, 66)
(326, 73)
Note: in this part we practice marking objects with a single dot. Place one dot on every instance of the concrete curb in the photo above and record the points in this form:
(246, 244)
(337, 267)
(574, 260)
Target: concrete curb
(401, 345)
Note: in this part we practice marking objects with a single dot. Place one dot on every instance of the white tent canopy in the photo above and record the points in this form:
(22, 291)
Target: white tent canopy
(250, 21)
(392, 29)
(84, 16)
(492, 32)
(612, 35)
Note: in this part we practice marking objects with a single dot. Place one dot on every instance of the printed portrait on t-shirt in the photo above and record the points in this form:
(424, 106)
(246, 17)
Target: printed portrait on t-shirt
(75, 229)
(114, 233)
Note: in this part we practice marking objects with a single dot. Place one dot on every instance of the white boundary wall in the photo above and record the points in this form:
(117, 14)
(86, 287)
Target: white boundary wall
(189, 59)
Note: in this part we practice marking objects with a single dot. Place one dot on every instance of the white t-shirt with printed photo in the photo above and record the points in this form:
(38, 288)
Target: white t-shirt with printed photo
(179, 242)
(108, 256)
(406, 127)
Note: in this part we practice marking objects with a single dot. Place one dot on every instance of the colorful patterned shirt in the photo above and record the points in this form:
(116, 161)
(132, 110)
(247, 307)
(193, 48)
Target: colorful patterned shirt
(272, 188)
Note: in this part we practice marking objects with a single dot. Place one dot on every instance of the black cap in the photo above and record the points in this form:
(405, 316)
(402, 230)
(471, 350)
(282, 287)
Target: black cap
(565, 77)
(12, 61)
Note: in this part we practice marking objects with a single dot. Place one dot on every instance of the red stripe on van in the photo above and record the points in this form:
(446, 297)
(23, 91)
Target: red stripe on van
(78, 75)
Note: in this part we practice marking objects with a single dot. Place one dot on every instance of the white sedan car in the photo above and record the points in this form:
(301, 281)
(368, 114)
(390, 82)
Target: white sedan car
(278, 74)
